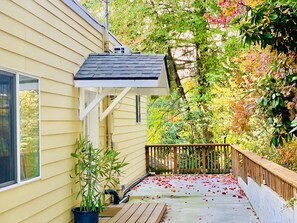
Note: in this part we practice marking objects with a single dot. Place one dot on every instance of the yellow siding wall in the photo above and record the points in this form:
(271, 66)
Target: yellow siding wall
(45, 38)
(130, 138)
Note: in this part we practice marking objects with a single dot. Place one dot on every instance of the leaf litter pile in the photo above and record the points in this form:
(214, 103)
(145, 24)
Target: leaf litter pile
(196, 198)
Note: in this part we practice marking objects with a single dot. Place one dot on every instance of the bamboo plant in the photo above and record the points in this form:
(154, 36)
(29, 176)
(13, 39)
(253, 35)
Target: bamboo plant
(94, 171)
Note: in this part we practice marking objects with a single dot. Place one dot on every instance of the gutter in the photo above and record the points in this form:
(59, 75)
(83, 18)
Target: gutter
(125, 198)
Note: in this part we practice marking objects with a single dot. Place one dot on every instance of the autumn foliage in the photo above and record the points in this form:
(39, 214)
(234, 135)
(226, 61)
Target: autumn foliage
(241, 117)
(232, 66)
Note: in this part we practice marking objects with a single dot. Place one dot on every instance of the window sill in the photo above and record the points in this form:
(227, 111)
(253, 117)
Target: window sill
(19, 184)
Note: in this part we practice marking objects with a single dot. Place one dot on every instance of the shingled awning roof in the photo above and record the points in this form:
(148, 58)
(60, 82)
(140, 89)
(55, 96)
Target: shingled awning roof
(122, 74)
(145, 73)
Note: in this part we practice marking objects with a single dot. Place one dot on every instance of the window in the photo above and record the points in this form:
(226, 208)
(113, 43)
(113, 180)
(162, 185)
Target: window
(19, 128)
(138, 109)
(7, 130)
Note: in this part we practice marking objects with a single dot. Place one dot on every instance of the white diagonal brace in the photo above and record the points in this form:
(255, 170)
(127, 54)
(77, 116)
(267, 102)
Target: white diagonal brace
(97, 99)
(114, 103)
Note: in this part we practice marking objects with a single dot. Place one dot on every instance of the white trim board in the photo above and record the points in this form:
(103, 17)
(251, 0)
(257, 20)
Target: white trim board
(116, 83)
(116, 101)
(83, 112)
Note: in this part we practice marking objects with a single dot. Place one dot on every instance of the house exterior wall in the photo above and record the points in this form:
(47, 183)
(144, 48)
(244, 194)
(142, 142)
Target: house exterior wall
(130, 138)
(48, 40)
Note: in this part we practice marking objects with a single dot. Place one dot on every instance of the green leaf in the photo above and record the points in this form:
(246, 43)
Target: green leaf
(265, 102)
(293, 130)
(74, 155)
(294, 122)
(273, 16)
(274, 141)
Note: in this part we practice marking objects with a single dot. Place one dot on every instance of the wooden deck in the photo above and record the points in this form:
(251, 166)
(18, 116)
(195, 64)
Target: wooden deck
(138, 212)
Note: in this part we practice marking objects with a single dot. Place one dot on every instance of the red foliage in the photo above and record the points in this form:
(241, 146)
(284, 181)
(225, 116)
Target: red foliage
(229, 10)
(241, 117)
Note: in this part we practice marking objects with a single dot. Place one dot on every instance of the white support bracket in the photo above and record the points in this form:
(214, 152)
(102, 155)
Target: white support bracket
(84, 111)
(114, 103)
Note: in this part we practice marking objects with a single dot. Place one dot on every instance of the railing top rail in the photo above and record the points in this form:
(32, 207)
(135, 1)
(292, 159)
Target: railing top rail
(179, 145)
(285, 174)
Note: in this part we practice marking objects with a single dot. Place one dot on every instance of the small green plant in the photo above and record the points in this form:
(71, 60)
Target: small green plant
(291, 202)
(94, 171)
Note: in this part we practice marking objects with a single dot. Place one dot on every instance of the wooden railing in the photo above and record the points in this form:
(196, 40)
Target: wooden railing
(194, 158)
(247, 164)
(221, 158)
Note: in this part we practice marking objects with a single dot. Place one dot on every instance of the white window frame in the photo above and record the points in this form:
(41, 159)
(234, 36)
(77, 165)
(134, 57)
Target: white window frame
(17, 133)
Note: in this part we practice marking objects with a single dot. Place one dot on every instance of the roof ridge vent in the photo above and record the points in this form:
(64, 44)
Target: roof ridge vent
(122, 50)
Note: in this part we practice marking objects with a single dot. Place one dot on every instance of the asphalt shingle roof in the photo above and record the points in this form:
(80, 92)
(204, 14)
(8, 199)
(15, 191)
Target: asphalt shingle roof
(121, 67)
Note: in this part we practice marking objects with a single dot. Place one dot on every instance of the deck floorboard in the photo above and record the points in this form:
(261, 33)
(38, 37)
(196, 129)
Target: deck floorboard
(138, 212)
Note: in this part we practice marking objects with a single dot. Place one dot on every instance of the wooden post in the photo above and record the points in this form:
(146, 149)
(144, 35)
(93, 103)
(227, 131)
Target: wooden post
(203, 160)
(234, 160)
(147, 158)
(295, 192)
(175, 161)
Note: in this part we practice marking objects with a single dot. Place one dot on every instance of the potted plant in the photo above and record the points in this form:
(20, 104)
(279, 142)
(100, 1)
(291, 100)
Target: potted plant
(94, 171)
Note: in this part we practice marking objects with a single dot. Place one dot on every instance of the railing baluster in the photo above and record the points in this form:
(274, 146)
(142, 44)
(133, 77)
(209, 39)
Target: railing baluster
(182, 159)
(216, 159)
(186, 162)
(147, 158)
(221, 160)
(185, 159)
(155, 159)
(162, 159)
(159, 162)
(208, 158)
(193, 159)
(196, 159)
(203, 160)
(167, 158)
(200, 160)
(175, 160)
(170, 159)
(151, 158)
(212, 159)
(181, 156)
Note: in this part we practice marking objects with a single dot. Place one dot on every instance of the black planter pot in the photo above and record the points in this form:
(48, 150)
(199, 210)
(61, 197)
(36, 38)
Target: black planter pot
(85, 216)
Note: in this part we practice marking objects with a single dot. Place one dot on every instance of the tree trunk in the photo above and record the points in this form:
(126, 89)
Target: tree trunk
(181, 91)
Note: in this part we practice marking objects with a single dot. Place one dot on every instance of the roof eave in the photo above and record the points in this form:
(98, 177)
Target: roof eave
(118, 83)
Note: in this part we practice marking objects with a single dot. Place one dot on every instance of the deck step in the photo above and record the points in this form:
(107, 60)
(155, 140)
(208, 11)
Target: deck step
(138, 212)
